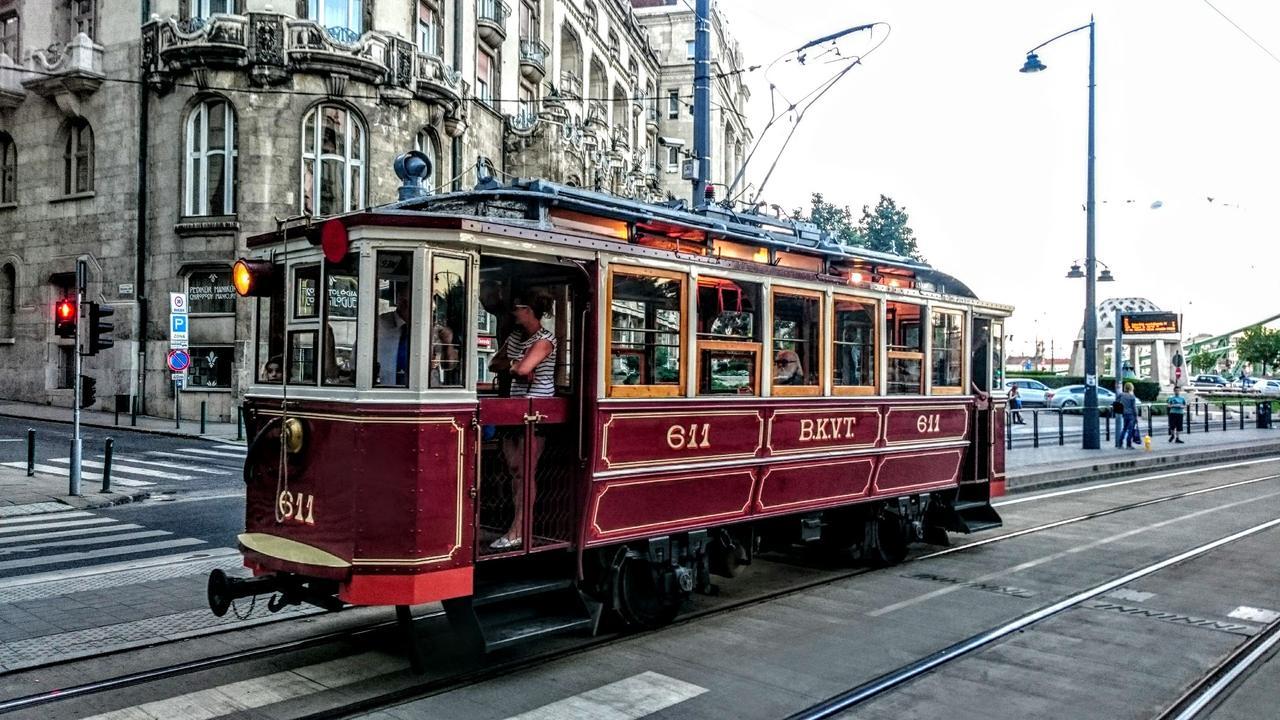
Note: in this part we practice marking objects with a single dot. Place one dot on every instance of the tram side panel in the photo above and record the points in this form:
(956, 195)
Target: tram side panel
(669, 467)
(376, 499)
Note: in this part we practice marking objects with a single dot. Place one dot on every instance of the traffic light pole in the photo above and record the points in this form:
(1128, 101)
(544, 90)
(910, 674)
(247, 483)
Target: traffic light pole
(82, 273)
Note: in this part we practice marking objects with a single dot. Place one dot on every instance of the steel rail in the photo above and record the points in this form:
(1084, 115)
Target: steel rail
(431, 688)
(888, 681)
(1225, 675)
(142, 676)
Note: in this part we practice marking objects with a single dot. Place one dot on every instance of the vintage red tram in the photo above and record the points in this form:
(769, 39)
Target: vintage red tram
(717, 381)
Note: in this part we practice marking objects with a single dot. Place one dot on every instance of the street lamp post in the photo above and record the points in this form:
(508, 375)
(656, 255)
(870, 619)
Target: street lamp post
(1091, 440)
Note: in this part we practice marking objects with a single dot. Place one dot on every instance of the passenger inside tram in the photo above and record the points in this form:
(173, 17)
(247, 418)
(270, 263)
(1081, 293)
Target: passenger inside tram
(392, 342)
(273, 371)
(787, 369)
(529, 357)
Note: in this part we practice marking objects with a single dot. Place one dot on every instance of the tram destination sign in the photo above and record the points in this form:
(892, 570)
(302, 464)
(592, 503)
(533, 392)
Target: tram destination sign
(1151, 323)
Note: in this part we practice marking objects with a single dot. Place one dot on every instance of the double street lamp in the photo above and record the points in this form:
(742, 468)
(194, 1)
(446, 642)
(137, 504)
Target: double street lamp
(1092, 440)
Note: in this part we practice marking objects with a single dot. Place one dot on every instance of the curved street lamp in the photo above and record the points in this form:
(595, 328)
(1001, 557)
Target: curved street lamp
(1091, 439)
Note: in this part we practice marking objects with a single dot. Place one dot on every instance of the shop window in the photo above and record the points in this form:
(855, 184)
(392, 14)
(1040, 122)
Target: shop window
(211, 367)
(393, 338)
(210, 292)
(906, 349)
(646, 333)
(947, 352)
(450, 326)
(728, 337)
(77, 159)
(210, 159)
(341, 306)
(853, 347)
(797, 342)
(333, 168)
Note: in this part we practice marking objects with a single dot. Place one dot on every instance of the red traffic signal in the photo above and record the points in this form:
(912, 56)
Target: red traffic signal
(64, 318)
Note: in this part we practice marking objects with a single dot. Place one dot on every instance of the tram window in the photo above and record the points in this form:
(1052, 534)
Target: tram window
(449, 321)
(979, 355)
(271, 337)
(906, 349)
(947, 351)
(854, 347)
(728, 337)
(341, 304)
(393, 337)
(306, 285)
(997, 356)
(797, 320)
(302, 357)
(646, 331)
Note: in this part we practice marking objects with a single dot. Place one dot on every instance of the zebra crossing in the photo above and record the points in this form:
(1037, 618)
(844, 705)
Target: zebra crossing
(150, 467)
(38, 543)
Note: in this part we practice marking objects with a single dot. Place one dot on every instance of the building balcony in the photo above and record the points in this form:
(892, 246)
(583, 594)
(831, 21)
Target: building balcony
(597, 113)
(12, 92)
(67, 74)
(651, 117)
(570, 85)
(533, 59)
(621, 139)
(491, 21)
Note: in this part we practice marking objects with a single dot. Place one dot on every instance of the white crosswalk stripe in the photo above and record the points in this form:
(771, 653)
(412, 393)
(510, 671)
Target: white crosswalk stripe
(148, 468)
(62, 470)
(216, 453)
(80, 539)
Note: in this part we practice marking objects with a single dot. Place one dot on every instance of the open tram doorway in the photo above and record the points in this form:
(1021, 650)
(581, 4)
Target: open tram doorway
(530, 413)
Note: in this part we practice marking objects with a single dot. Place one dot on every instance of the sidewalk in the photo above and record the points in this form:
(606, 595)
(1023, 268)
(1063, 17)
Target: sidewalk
(41, 493)
(219, 431)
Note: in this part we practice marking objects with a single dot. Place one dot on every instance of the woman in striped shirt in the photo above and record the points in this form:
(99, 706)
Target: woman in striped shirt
(529, 356)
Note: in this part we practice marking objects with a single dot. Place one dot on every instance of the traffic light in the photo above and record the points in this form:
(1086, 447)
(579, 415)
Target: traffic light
(64, 318)
(99, 328)
(253, 278)
(88, 391)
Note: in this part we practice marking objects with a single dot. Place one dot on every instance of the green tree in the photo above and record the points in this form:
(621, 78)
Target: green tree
(1259, 346)
(1202, 361)
(836, 221)
(885, 229)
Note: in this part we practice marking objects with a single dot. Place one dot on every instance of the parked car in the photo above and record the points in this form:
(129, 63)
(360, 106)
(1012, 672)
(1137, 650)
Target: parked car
(1265, 386)
(1031, 391)
(1070, 398)
(1212, 382)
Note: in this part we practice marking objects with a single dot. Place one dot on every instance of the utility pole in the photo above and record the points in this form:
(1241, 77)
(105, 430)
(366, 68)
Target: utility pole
(701, 101)
(82, 279)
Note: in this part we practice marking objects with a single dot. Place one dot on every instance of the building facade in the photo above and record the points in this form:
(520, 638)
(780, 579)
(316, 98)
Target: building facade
(152, 146)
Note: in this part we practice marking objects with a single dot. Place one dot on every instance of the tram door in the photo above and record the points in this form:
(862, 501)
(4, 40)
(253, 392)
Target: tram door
(980, 363)
(528, 457)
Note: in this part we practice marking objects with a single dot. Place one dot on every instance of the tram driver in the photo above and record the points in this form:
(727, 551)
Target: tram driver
(529, 356)
(393, 340)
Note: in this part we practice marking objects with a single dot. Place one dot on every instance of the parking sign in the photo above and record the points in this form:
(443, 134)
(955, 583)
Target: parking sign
(178, 303)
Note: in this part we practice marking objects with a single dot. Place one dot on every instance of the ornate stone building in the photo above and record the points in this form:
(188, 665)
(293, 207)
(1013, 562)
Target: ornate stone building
(152, 148)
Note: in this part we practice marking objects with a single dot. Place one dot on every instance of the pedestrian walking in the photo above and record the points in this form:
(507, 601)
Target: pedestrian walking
(1177, 410)
(1015, 405)
(1129, 407)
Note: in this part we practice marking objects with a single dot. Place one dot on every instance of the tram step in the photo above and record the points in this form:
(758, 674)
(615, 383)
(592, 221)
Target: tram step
(510, 634)
(492, 593)
(973, 516)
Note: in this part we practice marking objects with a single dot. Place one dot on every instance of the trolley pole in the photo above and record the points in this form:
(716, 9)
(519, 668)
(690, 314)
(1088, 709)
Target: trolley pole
(82, 272)
(701, 102)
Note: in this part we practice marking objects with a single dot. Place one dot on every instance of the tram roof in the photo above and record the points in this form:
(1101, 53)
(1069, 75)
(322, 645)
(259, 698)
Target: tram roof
(529, 202)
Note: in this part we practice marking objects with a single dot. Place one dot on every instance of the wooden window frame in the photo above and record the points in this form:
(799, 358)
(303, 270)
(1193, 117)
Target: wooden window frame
(646, 391)
(754, 348)
(964, 334)
(877, 343)
(799, 390)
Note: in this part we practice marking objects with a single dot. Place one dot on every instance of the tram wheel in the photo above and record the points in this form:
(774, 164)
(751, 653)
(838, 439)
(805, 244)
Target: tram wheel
(645, 596)
(886, 540)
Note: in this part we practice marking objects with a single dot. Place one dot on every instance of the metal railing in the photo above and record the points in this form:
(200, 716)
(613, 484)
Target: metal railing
(1049, 424)
(533, 50)
(492, 11)
(570, 84)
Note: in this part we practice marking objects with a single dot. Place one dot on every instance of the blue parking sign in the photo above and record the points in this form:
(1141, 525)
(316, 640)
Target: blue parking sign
(178, 323)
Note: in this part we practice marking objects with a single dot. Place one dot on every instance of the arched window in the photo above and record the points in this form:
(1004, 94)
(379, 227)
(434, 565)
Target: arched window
(8, 169)
(78, 159)
(211, 159)
(332, 161)
(8, 299)
(428, 143)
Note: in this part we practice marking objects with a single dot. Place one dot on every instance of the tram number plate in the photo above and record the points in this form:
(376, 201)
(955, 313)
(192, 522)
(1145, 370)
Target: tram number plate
(928, 423)
(692, 437)
(296, 506)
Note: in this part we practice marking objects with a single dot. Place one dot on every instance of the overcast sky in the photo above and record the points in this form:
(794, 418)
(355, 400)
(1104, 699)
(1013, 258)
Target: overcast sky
(990, 163)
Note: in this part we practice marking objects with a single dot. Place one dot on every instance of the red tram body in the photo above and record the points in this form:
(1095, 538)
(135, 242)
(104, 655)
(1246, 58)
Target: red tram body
(668, 451)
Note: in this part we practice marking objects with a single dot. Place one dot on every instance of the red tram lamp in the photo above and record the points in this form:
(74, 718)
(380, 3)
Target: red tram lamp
(64, 318)
(253, 278)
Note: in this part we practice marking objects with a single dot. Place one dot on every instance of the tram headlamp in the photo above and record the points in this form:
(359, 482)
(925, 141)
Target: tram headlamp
(291, 435)
(253, 278)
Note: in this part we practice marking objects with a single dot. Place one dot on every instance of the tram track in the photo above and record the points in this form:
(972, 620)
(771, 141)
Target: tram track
(1226, 676)
(418, 690)
(887, 682)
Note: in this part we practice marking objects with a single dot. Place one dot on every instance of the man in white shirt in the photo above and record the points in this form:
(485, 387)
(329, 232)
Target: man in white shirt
(392, 342)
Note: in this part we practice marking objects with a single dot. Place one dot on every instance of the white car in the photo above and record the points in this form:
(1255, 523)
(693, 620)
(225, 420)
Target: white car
(1265, 386)
(1031, 391)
